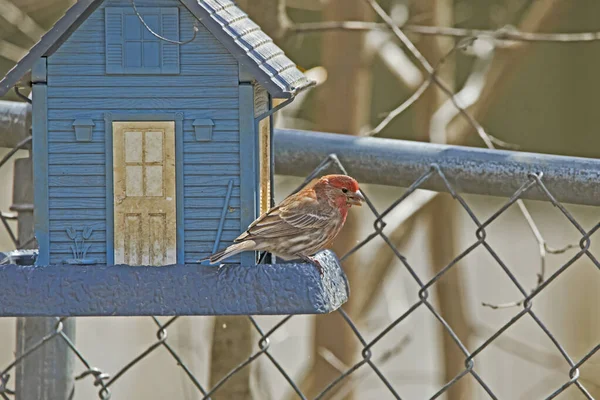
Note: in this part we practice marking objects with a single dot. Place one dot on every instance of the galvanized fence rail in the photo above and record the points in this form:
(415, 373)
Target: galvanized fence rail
(450, 169)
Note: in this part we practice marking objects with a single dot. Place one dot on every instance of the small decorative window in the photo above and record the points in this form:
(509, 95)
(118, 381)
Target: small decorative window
(132, 49)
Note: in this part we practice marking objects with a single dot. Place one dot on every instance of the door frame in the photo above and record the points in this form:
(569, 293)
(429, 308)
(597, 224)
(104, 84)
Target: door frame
(109, 118)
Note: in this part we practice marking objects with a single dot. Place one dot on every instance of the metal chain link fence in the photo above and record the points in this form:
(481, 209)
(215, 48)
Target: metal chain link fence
(368, 357)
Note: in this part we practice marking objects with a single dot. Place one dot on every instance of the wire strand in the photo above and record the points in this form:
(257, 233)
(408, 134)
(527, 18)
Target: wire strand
(135, 10)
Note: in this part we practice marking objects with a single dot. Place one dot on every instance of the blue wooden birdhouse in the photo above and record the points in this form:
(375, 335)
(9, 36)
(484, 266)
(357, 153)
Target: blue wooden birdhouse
(151, 136)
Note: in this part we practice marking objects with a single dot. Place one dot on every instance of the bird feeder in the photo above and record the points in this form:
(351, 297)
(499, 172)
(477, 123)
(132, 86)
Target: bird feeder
(170, 160)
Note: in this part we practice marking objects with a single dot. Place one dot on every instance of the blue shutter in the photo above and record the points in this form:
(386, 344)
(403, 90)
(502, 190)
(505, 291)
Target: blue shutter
(170, 30)
(114, 40)
(132, 49)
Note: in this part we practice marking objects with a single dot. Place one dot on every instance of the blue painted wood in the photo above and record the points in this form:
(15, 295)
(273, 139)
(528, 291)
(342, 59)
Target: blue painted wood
(248, 170)
(109, 192)
(202, 236)
(60, 258)
(95, 23)
(169, 52)
(194, 92)
(213, 158)
(90, 147)
(203, 128)
(228, 126)
(95, 201)
(192, 113)
(133, 80)
(214, 147)
(179, 180)
(115, 52)
(98, 235)
(98, 192)
(223, 216)
(39, 129)
(210, 213)
(207, 87)
(208, 58)
(83, 129)
(231, 224)
(151, 103)
(218, 191)
(193, 257)
(99, 290)
(39, 71)
(76, 181)
(213, 180)
(132, 49)
(232, 27)
(76, 201)
(74, 215)
(72, 170)
(141, 3)
(74, 159)
(59, 247)
(211, 202)
(220, 142)
(193, 170)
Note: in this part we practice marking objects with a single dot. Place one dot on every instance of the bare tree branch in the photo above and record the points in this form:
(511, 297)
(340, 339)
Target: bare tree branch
(507, 33)
(20, 20)
(404, 218)
(414, 97)
(487, 139)
(11, 51)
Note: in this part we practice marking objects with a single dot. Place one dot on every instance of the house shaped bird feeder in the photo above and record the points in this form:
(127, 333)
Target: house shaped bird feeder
(152, 149)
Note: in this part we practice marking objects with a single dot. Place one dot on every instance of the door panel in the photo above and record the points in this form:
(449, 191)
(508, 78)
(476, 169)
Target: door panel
(133, 231)
(144, 193)
(157, 238)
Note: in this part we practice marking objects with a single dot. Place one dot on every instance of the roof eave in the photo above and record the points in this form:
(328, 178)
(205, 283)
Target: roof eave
(239, 53)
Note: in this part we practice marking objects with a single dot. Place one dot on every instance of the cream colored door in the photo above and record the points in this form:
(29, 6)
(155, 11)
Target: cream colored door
(144, 193)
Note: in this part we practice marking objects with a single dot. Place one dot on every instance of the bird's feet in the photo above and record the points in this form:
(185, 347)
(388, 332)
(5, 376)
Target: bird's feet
(314, 262)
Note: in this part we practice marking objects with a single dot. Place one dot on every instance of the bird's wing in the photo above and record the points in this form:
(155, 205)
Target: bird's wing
(290, 218)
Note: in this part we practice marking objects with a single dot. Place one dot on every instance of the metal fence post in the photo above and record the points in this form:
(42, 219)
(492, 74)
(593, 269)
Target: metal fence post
(47, 373)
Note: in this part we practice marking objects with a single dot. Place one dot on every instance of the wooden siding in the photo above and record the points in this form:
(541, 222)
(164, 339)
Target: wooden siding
(207, 87)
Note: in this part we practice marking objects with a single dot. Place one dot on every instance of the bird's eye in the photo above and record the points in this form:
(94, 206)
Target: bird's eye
(345, 190)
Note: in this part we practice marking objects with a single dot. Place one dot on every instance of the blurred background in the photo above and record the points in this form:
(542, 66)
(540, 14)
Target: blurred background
(539, 97)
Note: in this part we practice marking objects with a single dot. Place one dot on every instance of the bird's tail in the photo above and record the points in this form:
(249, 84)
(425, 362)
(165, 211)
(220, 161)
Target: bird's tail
(230, 251)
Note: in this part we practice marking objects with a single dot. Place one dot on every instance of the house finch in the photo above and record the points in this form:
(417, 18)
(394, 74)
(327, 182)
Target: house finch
(302, 224)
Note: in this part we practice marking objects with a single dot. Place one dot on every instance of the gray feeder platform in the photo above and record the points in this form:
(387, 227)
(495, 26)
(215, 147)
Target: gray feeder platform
(99, 290)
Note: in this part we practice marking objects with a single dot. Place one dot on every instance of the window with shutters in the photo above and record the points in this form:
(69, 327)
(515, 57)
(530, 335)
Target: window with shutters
(132, 49)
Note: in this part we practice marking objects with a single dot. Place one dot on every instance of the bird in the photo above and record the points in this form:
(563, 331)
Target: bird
(303, 224)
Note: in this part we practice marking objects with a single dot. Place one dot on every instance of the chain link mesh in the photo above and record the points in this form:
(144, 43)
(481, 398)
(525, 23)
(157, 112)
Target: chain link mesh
(368, 358)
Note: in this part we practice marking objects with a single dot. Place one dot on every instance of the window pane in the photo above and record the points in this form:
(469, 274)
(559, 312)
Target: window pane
(152, 21)
(151, 54)
(154, 181)
(133, 54)
(154, 147)
(133, 181)
(133, 146)
(133, 28)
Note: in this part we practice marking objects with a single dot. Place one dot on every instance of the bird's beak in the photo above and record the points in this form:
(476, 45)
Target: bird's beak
(356, 198)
